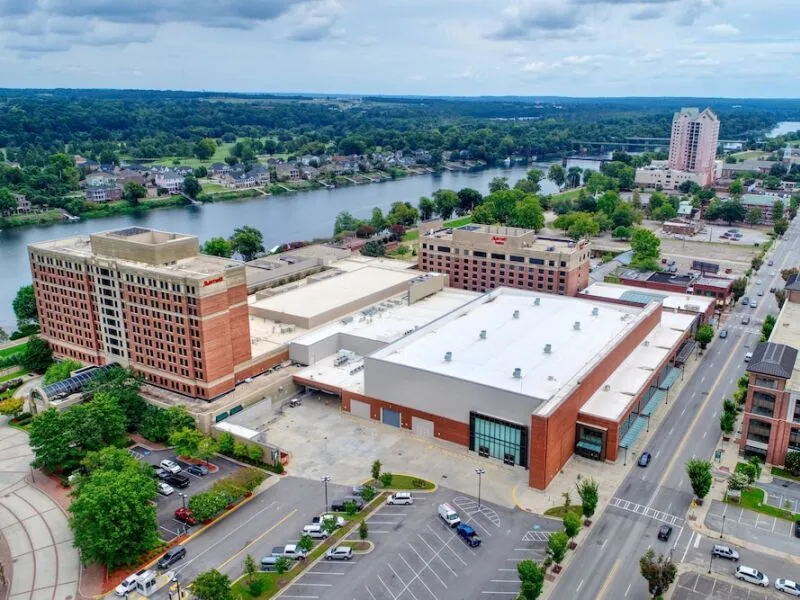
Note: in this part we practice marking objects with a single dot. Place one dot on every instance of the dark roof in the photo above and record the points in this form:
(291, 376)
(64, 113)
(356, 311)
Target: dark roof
(776, 360)
(793, 283)
(671, 278)
(77, 383)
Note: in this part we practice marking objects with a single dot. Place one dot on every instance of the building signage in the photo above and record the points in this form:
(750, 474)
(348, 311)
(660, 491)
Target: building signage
(499, 239)
(209, 282)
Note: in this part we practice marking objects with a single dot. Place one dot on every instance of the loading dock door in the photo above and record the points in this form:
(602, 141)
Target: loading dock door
(422, 427)
(359, 409)
(390, 417)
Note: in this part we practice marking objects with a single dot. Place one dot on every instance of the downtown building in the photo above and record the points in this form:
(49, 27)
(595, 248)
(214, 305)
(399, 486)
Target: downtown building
(484, 257)
(149, 300)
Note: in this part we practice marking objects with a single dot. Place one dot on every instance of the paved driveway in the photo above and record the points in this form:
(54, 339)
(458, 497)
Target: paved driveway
(45, 564)
(766, 531)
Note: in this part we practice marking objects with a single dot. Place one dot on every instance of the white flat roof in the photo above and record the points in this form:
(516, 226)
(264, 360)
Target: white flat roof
(517, 342)
(669, 300)
(311, 300)
(340, 376)
(394, 319)
(612, 399)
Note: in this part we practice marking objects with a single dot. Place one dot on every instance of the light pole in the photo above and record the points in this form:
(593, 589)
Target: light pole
(723, 527)
(625, 460)
(480, 473)
(325, 479)
(710, 562)
(178, 586)
(183, 499)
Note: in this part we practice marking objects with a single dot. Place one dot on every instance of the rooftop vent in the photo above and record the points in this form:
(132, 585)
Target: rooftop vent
(548, 348)
(483, 334)
(606, 388)
(537, 301)
(517, 373)
(551, 378)
(448, 356)
(647, 343)
(595, 311)
(576, 326)
(516, 314)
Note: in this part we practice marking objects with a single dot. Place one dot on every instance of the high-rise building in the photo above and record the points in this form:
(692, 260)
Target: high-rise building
(484, 257)
(149, 300)
(693, 142)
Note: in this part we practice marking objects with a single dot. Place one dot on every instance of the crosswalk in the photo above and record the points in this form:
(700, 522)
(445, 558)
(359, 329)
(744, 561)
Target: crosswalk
(646, 511)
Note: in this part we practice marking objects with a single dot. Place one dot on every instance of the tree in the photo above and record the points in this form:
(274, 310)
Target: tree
(7, 201)
(368, 493)
(134, 192)
(588, 490)
(732, 211)
(386, 479)
(11, 406)
(468, 199)
(427, 208)
(736, 189)
(573, 179)
(704, 335)
(792, 462)
(225, 443)
(739, 287)
(305, 543)
(528, 214)
(373, 248)
(726, 422)
(365, 231)
(218, 246)
(738, 481)
(94, 425)
(557, 546)
(200, 171)
(51, 441)
(375, 469)
(659, 572)
(446, 203)
(114, 517)
(531, 577)
(38, 356)
(755, 462)
(646, 249)
(767, 327)
(378, 222)
(113, 459)
(60, 371)
(583, 226)
(24, 305)
(350, 509)
(780, 226)
(665, 213)
(756, 263)
(247, 241)
(212, 585)
(207, 505)
(624, 215)
(282, 565)
(402, 213)
(572, 524)
(186, 442)
(622, 233)
(753, 216)
(608, 202)
(249, 567)
(557, 175)
(191, 187)
(205, 148)
(699, 472)
(498, 184)
(363, 530)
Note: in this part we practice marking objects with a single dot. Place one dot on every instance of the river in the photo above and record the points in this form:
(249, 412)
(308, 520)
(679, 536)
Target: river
(283, 218)
(784, 127)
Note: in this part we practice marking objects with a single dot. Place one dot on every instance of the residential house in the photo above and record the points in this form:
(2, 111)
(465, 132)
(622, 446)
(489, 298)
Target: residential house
(240, 180)
(260, 173)
(287, 171)
(170, 180)
(220, 169)
(309, 173)
(102, 189)
(23, 204)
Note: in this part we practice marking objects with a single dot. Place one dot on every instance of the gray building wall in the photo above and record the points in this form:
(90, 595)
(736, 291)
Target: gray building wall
(308, 354)
(442, 395)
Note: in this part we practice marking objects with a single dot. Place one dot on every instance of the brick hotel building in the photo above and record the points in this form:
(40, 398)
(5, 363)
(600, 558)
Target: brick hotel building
(147, 299)
(484, 257)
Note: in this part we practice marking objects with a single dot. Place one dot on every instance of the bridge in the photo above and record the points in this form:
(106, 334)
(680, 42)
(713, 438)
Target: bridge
(636, 144)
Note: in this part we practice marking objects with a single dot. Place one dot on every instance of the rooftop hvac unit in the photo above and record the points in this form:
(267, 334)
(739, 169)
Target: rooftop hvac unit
(517, 373)
(576, 326)
(551, 378)
(448, 356)
(483, 334)
(595, 311)
(516, 314)
(537, 301)
(646, 343)
(548, 348)
(606, 388)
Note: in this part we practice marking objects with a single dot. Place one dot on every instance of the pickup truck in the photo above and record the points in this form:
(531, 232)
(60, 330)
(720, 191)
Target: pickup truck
(468, 534)
(340, 522)
(290, 551)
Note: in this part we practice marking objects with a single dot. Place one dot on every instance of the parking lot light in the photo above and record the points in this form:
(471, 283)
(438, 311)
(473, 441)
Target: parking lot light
(183, 499)
(325, 479)
(480, 473)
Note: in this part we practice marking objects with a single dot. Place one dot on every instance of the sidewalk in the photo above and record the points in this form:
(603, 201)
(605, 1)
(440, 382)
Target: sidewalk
(608, 475)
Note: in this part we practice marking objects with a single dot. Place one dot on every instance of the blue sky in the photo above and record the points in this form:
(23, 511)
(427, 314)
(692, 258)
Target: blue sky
(741, 48)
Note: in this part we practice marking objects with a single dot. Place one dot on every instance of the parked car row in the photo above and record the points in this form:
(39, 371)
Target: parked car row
(753, 575)
(463, 530)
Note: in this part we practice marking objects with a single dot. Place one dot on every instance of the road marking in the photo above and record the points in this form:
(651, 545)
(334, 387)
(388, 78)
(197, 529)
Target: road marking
(578, 589)
(313, 584)
(683, 411)
(645, 511)
(604, 545)
(685, 552)
(697, 541)
(429, 567)
(628, 589)
(387, 587)
(514, 581)
(611, 574)
(502, 593)
(281, 522)
(322, 573)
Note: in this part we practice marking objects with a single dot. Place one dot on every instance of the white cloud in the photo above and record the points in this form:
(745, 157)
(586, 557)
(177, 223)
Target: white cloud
(722, 30)
(699, 59)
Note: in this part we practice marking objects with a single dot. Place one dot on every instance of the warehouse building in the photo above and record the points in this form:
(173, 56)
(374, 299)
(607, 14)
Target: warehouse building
(529, 379)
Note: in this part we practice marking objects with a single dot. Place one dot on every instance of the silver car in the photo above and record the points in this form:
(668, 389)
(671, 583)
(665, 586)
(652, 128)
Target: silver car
(339, 553)
(788, 586)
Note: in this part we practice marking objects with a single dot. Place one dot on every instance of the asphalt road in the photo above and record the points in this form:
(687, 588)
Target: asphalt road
(691, 430)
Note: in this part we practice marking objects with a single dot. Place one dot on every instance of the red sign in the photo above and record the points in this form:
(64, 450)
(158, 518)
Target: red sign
(209, 282)
(499, 239)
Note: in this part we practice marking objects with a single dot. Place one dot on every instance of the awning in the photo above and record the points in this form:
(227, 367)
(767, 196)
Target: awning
(653, 403)
(633, 432)
(685, 352)
(672, 376)
(590, 446)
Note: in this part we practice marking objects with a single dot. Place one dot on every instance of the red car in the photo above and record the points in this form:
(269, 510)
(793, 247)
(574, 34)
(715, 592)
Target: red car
(185, 515)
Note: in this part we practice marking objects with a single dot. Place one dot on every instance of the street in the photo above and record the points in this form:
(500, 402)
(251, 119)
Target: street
(691, 430)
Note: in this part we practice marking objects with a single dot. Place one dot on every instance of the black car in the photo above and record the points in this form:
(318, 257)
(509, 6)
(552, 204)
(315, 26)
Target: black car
(172, 556)
(797, 529)
(644, 459)
(664, 532)
(339, 505)
(177, 480)
(723, 334)
(199, 470)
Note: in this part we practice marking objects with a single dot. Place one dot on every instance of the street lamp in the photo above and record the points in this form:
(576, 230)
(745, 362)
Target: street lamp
(723, 527)
(480, 473)
(710, 562)
(183, 499)
(178, 586)
(325, 479)
(625, 460)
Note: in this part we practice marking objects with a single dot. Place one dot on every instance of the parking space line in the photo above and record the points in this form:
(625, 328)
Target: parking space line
(312, 584)
(387, 587)
(382, 522)
(447, 545)
(322, 573)
(307, 597)
(371, 595)
(504, 581)
(421, 580)
(435, 556)
(502, 593)
(400, 579)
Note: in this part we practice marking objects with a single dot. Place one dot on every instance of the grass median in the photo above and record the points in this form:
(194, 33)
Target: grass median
(753, 499)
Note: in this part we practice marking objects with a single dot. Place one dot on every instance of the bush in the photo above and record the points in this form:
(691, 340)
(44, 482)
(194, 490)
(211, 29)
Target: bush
(11, 406)
(248, 479)
(363, 530)
(240, 449)
(255, 587)
(225, 443)
(255, 453)
(376, 469)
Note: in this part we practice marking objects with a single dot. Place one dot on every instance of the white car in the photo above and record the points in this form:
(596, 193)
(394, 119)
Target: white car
(751, 575)
(165, 489)
(788, 586)
(129, 584)
(400, 498)
(339, 553)
(170, 466)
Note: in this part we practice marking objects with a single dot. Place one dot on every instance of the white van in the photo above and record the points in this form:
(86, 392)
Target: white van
(315, 531)
(400, 498)
(449, 515)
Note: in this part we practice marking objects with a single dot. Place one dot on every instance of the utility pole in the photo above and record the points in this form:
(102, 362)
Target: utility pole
(480, 473)
(325, 479)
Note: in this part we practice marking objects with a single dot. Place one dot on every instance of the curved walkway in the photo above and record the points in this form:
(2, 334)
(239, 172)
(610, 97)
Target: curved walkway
(45, 563)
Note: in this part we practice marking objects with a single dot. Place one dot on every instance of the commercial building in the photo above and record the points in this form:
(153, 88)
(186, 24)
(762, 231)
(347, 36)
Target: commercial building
(485, 257)
(771, 425)
(524, 378)
(692, 283)
(652, 177)
(693, 142)
(766, 204)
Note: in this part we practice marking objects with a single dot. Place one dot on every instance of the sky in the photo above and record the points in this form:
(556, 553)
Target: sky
(731, 48)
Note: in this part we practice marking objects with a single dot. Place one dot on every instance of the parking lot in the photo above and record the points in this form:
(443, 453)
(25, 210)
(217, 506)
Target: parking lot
(764, 530)
(417, 556)
(169, 527)
(696, 586)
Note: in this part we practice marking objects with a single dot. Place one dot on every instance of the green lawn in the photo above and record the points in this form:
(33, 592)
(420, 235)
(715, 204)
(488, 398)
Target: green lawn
(784, 474)
(753, 499)
(223, 150)
(747, 154)
(567, 195)
(269, 581)
(409, 482)
(13, 375)
(13, 350)
(560, 511)
(460, 222)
